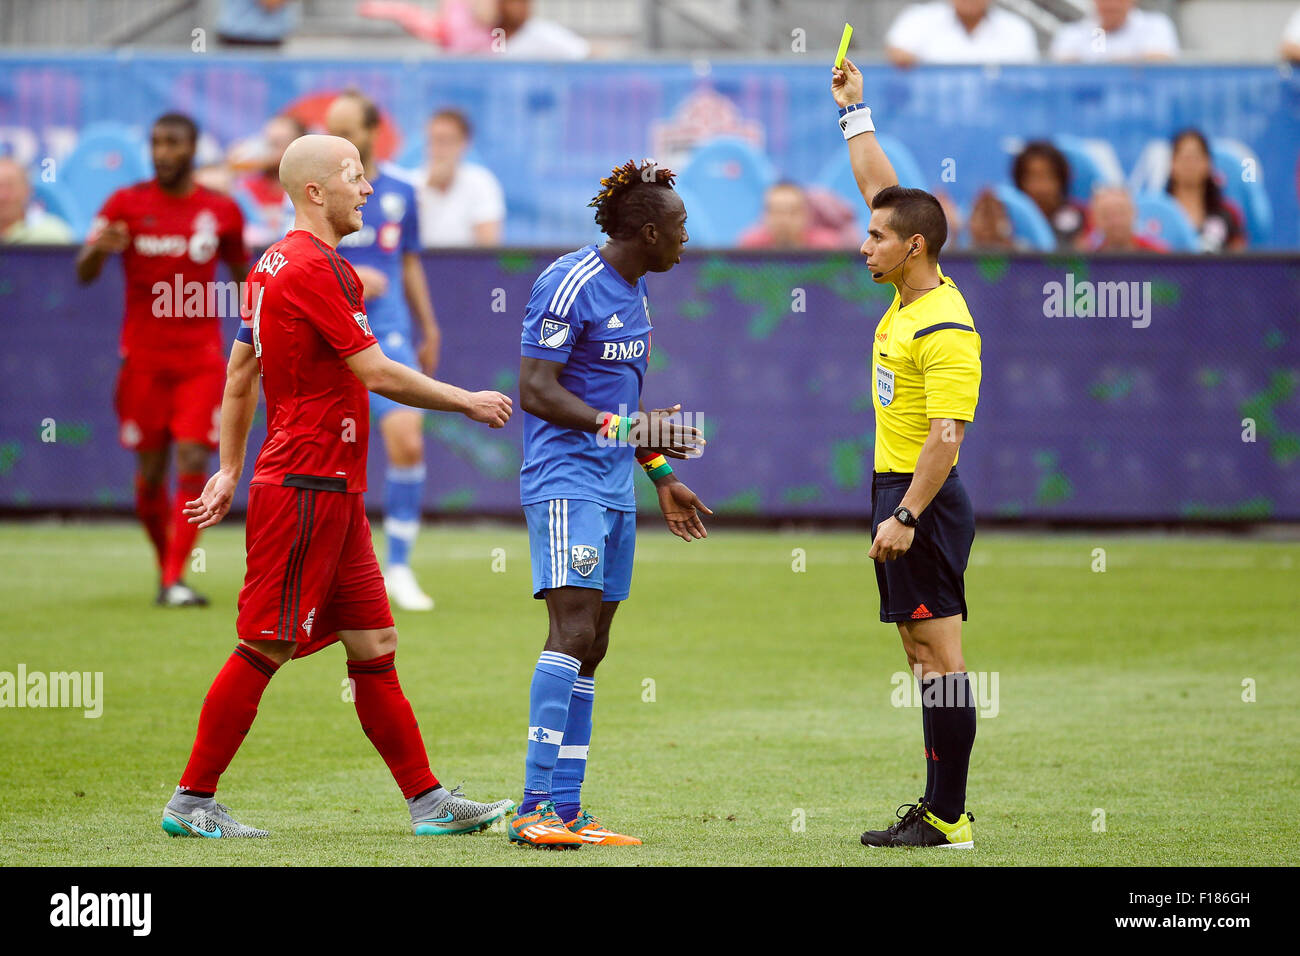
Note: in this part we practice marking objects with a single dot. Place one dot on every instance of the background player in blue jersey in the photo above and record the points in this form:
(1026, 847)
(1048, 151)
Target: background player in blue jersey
(585, 341)
(385, 254)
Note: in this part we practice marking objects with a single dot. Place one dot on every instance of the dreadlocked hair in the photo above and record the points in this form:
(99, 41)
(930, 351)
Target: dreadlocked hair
(629, 197)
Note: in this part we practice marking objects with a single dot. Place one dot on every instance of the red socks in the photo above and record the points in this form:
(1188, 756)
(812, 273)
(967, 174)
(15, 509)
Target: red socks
(151, 508)
(227, 714)
(389, 722)
(231, 705)
(183, 534)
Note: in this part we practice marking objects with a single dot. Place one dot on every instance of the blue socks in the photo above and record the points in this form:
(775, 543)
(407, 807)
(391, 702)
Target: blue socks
(572, 764)
(402, 488)
(548, 716)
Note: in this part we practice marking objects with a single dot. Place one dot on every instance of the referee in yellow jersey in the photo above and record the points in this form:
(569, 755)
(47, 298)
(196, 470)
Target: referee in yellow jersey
(925, 368)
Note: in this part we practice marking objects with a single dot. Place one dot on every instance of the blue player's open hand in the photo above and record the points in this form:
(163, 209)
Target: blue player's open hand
(681, 508)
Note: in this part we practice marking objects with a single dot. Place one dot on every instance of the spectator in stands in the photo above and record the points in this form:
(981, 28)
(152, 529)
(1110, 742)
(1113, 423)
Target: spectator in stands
(461, 203)
(531, 38)
(261, 23)
(260, 183)
(959, 31)
(1291, 38)
(1192, 183)
(990, 226)
(481, 27)
(787, 223)
(1113, 215)
(21, 222)
(1118, 30)
(1042, 172)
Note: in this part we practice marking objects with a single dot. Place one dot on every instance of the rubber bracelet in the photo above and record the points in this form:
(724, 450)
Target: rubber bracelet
(856, 119)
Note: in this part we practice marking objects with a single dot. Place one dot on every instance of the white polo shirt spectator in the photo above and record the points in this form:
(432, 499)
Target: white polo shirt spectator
(1291, 39)
(544, 40)
(938, 32)
(448, 217)
(1121, 31)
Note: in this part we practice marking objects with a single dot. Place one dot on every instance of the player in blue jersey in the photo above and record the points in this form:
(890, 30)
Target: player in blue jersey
(385, 254)
(586, 338)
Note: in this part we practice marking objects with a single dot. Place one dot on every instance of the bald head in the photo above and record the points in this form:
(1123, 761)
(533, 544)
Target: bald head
(326, 181)
(14, 192)
(315, 158)
(355, 118)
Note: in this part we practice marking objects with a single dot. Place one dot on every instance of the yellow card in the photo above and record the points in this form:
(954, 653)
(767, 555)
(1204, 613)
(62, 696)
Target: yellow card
(844, 45)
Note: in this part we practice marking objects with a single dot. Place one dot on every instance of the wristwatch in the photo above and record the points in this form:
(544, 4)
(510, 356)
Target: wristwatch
(905, 517)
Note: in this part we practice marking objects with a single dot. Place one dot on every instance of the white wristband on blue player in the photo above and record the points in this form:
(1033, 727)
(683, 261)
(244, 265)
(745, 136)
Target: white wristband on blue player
(856, 119)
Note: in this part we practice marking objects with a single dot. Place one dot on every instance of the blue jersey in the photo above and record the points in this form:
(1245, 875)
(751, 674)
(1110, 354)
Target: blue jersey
(584, 314)
(390, 228)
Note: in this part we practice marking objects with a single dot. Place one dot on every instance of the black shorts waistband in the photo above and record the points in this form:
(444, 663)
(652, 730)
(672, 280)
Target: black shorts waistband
(890, 479)
(316, 482)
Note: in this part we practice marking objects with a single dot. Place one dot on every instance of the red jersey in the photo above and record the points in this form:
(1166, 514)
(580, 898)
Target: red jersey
(175, 240)
(307, 316)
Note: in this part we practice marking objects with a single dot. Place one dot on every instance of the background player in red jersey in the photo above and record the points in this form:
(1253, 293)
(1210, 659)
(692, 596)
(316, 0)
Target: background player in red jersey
(170, 232)
(312, 577)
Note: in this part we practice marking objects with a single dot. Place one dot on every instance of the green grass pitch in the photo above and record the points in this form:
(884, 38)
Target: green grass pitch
(770, 737)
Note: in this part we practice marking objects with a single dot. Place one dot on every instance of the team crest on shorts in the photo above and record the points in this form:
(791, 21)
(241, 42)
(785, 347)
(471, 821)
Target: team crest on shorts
(361, 321)
(554, 333)
(584, 559)
(884, 385)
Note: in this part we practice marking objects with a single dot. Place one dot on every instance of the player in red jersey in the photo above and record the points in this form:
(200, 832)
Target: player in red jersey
(312, 578)
(170, 232)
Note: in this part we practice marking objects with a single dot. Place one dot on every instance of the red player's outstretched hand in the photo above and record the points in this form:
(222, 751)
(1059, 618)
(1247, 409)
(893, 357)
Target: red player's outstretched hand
(211, 506)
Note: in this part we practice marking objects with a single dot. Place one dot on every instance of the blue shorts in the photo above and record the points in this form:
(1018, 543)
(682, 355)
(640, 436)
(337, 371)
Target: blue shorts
(397, 347)
(929, 580)
(582, 544)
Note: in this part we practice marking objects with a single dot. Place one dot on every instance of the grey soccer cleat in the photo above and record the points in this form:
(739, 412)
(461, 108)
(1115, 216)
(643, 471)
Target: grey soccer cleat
(458, 815)
(208, 819)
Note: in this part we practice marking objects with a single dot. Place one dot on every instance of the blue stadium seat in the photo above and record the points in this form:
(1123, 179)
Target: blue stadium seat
(1160, 217)
(107, 157)
(837, 174)
(57, 200)
(1230, 157)
(699, 224)
(1092, 164)
(727, 178)
(1028, 223)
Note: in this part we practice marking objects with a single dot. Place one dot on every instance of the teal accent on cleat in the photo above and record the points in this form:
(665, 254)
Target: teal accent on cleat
(457, 815)
(211, 822)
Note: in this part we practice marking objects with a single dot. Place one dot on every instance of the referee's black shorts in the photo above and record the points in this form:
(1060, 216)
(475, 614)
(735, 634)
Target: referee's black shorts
(928, 580)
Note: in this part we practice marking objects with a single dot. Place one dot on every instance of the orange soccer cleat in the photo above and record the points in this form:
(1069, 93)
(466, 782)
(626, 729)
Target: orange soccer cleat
(593, 831)
(541, 827)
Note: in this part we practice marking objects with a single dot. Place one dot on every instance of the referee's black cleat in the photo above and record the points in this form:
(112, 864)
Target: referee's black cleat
(919, 827)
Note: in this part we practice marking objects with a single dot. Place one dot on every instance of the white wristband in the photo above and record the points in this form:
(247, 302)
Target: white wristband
(856, 119)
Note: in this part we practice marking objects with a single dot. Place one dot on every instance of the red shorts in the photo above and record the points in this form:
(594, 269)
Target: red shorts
(158, 406)
(311, 568)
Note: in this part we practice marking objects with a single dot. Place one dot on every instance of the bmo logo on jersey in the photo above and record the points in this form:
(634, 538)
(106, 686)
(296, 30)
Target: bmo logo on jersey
(627, 351)
(201, 245)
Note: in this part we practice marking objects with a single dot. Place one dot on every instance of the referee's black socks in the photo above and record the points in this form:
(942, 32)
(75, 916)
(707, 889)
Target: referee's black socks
(950, 707)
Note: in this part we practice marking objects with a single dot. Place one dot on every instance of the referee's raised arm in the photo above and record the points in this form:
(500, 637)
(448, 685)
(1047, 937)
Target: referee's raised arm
(871, 167)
